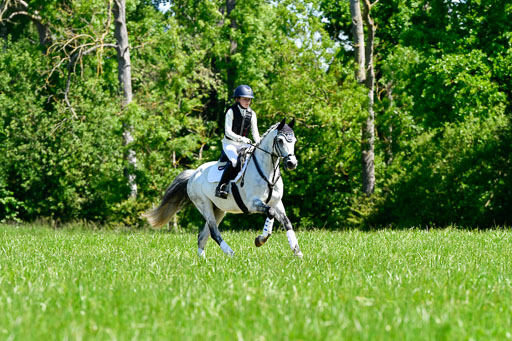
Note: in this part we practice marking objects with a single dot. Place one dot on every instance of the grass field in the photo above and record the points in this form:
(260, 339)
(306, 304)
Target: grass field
(396, 285)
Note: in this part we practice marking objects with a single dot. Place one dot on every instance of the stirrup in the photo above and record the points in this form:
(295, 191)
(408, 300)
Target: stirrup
(221, 191)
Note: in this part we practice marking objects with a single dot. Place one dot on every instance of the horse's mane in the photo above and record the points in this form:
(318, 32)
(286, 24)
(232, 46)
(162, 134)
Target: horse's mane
(272, 127)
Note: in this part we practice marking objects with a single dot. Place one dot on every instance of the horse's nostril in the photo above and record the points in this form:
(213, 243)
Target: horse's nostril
(290, 165)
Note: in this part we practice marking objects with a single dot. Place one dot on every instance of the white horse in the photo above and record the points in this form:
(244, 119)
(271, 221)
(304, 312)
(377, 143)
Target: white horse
(257, 189)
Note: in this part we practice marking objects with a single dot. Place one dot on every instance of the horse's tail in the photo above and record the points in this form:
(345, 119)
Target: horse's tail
(175, 198)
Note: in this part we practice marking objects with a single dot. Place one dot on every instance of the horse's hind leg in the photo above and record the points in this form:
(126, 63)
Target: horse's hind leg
(202, 238)
(208, 212)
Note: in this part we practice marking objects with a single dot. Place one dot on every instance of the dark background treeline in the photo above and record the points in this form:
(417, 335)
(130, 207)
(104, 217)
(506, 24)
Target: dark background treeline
(442, 105)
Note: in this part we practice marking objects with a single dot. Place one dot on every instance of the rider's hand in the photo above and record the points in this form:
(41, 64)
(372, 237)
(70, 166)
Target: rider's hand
(246, 140)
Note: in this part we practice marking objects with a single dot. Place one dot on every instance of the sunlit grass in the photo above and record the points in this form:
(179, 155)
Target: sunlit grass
(76, 283)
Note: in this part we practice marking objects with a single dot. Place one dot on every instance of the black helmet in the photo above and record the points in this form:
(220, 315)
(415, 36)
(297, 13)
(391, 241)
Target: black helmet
(243, 91)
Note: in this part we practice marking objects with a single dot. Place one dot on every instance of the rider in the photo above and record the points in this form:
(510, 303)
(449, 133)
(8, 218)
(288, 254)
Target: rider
(240, 118)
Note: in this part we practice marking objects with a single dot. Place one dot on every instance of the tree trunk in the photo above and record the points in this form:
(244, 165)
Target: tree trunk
(368, 131)
(389, 133)
(43, 30)
(230, 6)
(358, 33)
(365, 74)
(125, 83)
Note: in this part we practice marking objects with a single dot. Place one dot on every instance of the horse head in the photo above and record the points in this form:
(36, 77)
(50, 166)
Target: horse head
(284, 144)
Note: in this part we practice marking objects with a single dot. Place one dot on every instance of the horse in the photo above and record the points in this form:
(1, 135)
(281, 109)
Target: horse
(258, 188)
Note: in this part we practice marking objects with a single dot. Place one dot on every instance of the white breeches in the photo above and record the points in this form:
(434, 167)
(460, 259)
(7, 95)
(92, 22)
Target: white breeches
(231, 151)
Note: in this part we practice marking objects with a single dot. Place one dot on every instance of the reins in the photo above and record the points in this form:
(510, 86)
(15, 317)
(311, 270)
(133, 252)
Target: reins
(275, 157)
(271, 153)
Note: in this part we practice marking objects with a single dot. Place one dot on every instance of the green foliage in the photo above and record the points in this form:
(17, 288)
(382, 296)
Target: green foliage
(467, 90)
(9, 205)
(328, 128)
(57, 165)
(467, 169)
(442, 108)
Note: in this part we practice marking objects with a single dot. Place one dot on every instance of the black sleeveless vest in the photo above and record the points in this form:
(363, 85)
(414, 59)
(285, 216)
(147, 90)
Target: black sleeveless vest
(241, 124)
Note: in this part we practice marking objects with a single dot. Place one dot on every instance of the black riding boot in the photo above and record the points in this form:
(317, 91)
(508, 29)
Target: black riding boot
(222, 189)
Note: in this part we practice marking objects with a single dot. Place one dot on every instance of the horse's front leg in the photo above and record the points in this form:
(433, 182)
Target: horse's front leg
(279, 213)
(269, 222)
(290, 233)
(267, 232)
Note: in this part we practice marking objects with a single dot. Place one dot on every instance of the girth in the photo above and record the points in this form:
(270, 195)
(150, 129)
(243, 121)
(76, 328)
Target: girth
(238, 198)
(269, 184)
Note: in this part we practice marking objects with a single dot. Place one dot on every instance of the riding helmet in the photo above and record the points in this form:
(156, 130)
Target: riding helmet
(243, 91)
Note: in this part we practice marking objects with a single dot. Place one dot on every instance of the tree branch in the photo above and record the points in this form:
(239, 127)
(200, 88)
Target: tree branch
(21, 7)
(76, 56)
(20, 11)
(370, 4)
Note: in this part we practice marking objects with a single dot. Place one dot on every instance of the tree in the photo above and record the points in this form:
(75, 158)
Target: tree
(365, 73)
(124, 70)
(69, 177)
(233, 45)
(84, 48)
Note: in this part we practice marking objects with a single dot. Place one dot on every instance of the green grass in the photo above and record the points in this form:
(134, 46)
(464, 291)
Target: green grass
(396, 285)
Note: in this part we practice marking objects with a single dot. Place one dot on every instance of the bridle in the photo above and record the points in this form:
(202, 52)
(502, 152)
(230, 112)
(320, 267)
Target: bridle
(275, 146)
(288, 136)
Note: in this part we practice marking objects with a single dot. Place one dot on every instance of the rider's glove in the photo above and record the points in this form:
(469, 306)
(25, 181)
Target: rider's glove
(246, 140)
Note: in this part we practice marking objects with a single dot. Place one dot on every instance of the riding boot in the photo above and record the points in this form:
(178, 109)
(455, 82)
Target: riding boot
(222, 189)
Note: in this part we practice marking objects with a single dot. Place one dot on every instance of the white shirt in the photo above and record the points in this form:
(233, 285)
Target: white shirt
(235, 138)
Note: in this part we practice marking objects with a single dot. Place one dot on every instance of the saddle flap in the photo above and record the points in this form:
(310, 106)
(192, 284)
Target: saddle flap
(215, 172)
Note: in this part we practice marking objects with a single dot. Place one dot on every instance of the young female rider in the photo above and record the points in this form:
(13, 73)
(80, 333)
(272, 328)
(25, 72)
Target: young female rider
(239, 120)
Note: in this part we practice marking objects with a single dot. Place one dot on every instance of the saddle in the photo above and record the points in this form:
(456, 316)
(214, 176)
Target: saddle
(242, 157)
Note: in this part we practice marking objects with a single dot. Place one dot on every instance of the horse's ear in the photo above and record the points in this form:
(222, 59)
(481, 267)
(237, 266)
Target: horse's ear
(281, 125)
(292, 123)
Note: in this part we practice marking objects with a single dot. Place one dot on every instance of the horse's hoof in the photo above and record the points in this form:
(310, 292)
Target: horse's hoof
(201, 254)
(297, 252)
(260, 240)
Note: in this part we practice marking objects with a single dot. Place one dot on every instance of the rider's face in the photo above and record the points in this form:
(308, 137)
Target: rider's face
(244, 102)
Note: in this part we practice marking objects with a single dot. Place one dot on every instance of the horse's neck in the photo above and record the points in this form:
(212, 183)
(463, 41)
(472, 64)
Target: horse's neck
(267, 162)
